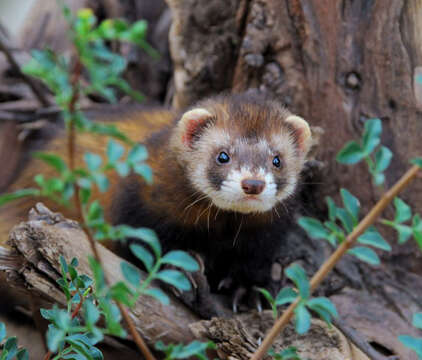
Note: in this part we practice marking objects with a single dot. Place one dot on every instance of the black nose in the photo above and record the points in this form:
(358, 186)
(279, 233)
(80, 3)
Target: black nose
(253, 187)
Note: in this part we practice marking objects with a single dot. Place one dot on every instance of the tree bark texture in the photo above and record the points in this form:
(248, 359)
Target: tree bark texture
(336, 63)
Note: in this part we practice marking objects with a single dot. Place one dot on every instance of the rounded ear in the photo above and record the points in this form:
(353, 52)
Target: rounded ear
(302, 130)
(191, 124)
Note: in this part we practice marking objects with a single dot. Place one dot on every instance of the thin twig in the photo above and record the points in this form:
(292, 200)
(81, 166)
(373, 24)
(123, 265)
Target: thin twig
(34, 87)
(321, 274)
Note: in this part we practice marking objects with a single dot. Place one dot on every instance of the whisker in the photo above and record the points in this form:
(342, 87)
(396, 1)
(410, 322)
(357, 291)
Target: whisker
(238, 232)
(276, 211)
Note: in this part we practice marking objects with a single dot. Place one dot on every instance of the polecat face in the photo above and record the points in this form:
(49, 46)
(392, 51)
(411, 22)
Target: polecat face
(243, 152)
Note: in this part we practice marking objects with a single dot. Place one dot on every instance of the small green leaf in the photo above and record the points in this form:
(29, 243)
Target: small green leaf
(297, 274)
(323, 307)
(412, 343)
(372, 237)
(365, 254)
(91, 313)
(123, 169)
(417, 161)
(131, 273)
(121, 293)
(158, 294)
(53, 160)
(403, 211)
(379, 178)
(382, 159)
(2, 331)
(175, 278)
(142, 254)
(346, 219)
(286, 296)
(417, 230)
(5, 198)
(54, 337)
(351, 153)
(332, 208)
(371, 135)
(22, 355)
(147, 235)
(181, 259)
(97, 273)
(114, 151)
(267, 295)
(351, 203)
(302, 319)
(137, 154)
(313, 227)
(417, 320)
(93, 161)
(404, 231)
(145, 171)
(101, 181)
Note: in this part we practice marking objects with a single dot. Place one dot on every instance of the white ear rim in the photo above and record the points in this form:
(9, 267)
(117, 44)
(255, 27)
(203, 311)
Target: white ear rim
(198, 113)
(305, 131)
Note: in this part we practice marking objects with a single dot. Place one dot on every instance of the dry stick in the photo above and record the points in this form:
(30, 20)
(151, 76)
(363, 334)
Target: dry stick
(38, 94)
(71, 155)
(321, 274)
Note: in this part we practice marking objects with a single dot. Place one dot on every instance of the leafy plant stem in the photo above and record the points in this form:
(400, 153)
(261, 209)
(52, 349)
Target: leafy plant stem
(71, 155)
(325, 269)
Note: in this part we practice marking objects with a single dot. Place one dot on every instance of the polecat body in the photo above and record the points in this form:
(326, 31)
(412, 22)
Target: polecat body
(222, 172)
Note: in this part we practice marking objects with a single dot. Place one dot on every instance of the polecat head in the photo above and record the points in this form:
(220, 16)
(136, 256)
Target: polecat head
(244, 152)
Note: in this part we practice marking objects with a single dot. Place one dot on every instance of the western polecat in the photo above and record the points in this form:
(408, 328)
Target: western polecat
(223, 172)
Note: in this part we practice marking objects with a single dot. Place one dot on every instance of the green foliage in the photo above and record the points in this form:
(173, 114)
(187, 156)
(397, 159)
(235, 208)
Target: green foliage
(354, 152)
(10, 348)
(195, 349)
(341, 222)
(412, 342)
(323, 307)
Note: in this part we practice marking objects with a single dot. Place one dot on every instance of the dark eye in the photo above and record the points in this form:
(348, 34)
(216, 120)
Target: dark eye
(223, 158)
(277, 161)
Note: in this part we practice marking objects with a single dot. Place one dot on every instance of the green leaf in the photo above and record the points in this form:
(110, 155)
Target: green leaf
(313, 227)
(417, 320)
(332, 208)
(158, 294)
(2, 331)
(403, 211)
(101, 181)
(417, 230)
(137, 154)
(147, 235)
(5, 198)
(145, 171)
(142, 254)
(351, 204)
(53, 160)
(10, 347)
(286, 296)
(98, 274)
(54, 337)
(417, 161)
(372, 237)
(121, 293)
(131, 273)
(297, 274)
(181, 259)
(346, 219)
(302, 319)
(91, 313)
(114, 151)
(123, 169)
(267, 295)
(175, 278)
(194, 348)
(22, 355)
(382, 159)
(323, 307)
(404, 231)
(365, 254)
(351, 153)
(412, 343)
(371, 135)
(93, 161)
(379, 178)
(95, 211)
